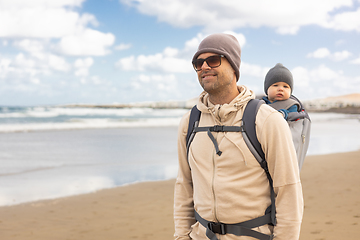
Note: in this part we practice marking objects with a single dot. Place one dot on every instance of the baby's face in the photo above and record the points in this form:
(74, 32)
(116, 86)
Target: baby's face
(279, 91)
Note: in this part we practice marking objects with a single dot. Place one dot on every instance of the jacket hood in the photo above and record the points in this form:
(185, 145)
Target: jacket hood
(205, 106)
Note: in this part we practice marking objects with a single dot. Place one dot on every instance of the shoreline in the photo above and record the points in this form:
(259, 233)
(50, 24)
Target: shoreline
(145, 210)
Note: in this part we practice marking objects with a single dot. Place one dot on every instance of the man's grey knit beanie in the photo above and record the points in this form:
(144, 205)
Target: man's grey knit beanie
(223, 44)
(279, 73)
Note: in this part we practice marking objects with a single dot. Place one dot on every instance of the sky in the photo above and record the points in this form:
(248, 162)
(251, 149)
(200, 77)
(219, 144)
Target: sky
(121, 51)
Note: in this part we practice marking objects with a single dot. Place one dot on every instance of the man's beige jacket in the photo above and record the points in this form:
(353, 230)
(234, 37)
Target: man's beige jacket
(233, 187)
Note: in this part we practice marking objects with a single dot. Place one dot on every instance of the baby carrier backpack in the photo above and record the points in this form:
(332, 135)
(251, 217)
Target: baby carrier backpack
(300, 125)
(248, 132)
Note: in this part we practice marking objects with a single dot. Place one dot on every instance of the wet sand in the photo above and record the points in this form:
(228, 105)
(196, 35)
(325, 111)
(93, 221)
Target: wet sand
(145, 210)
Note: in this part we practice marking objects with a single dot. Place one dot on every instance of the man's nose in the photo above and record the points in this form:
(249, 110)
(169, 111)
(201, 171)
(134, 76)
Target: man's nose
(205, 66)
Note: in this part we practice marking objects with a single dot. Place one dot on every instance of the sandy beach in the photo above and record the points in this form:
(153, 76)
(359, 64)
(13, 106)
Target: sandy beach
(144, 211)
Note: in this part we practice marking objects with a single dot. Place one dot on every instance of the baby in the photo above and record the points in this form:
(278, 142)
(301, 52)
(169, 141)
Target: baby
(278, 86)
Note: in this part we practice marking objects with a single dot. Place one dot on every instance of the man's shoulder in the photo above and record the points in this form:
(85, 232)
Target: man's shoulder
(268, 115)
(184, 122)
(266, 109)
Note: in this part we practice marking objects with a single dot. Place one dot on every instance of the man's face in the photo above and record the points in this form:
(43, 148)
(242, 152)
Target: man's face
(215, 79)
(279, 91)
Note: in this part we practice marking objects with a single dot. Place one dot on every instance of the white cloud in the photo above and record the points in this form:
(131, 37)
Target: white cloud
(35, 81)
(57, 63)
(5, 67)
(323, 73)
(253, 70)
(88, 42)
(170, 52)
(340, 56)
(126, 64)
(96, 80)
(320, 53)
(356, 61)
(308, 83)
(347, 21)
(159, 62)
(322, 81)
(123, 46)
(192, 44)
(41, 57)
(41, 22)
(285, 16)
(340, 42)
(52, 3)
(56, 20)
(156, 83)
(292, 30)
(22, 62)
(86, 62)
(171, 59)
(30, 45)
(82, 66)
(325, 53)
(22, 69)
(301, 77)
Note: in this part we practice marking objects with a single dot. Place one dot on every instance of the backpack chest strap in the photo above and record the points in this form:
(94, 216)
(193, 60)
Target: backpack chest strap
(217, 128)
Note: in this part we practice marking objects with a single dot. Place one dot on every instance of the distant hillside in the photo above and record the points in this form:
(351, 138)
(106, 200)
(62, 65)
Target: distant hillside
(355, 97)
(342, 104)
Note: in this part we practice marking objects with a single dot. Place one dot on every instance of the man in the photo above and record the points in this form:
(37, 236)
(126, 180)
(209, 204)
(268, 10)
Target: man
(228, 185)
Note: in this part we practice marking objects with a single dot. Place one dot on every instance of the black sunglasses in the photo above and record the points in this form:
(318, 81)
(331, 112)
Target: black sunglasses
(212, 61)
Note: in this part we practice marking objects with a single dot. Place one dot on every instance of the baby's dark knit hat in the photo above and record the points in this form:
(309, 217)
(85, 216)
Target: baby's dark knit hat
(279, 73)
(224, 44)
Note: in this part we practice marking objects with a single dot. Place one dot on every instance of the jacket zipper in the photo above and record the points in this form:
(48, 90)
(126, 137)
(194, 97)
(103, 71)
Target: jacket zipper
(214, 170)
(213, 188)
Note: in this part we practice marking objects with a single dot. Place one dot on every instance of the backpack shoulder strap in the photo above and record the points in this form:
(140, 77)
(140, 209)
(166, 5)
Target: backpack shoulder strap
(302, 109)
(193, 122)
(252, 142)
(249, 133)
(286, 104)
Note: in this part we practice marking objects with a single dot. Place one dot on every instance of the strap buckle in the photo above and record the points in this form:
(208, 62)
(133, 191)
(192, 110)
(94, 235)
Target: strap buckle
(217, 128)
(264, 165)
(217, 228)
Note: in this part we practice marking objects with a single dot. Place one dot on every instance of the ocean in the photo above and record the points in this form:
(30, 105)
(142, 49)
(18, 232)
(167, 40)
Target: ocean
(51, 152)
